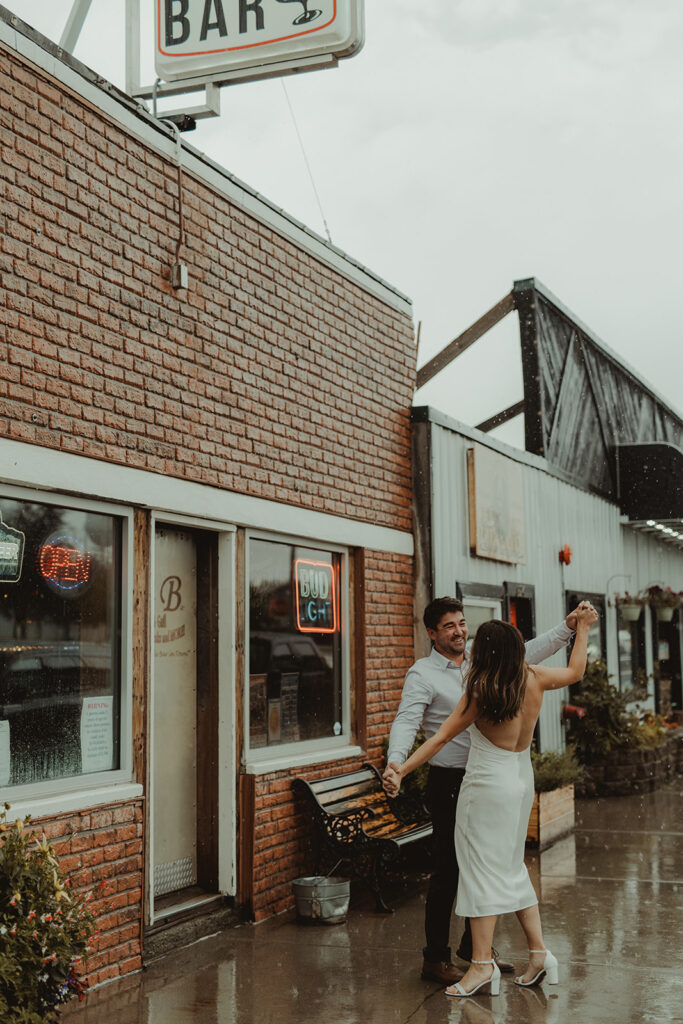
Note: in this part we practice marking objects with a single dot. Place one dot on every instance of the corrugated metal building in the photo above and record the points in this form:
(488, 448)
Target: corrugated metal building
(524, 534)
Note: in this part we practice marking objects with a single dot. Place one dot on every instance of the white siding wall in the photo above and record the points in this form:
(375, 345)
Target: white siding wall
(556, 513)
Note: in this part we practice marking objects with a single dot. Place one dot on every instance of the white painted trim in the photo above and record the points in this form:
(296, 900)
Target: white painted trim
(30, 465)
(138, 122)
(149, 751)
(79, 800)
(281, 764)
(227, 718)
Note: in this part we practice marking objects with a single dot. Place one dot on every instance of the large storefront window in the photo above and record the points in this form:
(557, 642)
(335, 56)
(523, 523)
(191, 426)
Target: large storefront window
(295, 644)
(59, 642)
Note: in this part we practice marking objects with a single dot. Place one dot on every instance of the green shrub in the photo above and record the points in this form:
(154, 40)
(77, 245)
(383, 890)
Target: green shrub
(609, 722)
(45, 928)
(553, 770)
(653, 730)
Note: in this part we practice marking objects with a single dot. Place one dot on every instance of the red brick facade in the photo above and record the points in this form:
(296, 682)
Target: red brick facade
(274, 375)
(101, 850)
(271, 375)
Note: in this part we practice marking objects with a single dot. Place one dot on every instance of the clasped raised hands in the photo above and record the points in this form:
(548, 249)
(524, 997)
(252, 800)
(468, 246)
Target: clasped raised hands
(584, 613)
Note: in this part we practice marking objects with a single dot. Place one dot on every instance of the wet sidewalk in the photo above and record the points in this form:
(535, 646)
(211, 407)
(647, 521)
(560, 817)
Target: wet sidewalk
(612, 909)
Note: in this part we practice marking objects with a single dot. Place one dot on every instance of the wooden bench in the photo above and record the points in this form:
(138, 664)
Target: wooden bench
(357, 824)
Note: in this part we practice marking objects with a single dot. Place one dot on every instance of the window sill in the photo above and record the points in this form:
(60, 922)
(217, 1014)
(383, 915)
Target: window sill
(66, 803)
(310, 757)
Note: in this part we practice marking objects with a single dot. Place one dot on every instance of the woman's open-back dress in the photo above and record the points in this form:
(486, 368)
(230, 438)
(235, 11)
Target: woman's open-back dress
(490, 830)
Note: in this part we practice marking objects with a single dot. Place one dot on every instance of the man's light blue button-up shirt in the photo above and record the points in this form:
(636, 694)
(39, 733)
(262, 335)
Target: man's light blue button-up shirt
(432, 689)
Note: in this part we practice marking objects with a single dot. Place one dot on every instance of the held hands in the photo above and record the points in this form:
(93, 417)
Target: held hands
(392, 779)
(586, 615)
(584, 612)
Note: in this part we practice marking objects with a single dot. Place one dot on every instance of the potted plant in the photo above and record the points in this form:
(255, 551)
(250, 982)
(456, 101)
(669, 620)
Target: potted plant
(552, 813)
(630, 605)
(664, 600)
(609, 721)
(45, 929)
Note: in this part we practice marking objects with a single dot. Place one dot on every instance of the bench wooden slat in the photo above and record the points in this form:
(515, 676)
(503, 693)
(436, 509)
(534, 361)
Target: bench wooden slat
(320, 786)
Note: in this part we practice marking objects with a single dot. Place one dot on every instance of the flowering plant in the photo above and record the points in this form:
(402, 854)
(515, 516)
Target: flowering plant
(627, 598)
(45, 928)
(663, 597)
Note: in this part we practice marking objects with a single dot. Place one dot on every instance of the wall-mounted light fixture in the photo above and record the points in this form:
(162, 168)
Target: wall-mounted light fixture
(565, 555)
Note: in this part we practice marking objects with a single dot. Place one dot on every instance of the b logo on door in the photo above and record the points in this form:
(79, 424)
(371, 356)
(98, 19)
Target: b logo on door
(169, 594)
(170, 601)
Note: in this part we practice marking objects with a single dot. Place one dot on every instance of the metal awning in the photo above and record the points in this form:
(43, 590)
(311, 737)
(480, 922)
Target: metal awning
(669, 531)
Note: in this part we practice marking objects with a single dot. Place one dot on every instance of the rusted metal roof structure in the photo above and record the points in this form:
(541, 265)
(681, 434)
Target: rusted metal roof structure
(586, 412)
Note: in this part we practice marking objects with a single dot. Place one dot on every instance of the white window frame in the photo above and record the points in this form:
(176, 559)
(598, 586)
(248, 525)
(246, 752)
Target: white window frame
(494, 603)
(78, 792)
(290, 755)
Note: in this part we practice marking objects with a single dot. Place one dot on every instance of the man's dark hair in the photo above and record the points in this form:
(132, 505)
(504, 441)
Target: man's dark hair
(436, 609)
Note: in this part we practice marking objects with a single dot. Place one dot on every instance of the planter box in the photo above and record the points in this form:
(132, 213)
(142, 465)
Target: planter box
(552, 816)
(624, 772)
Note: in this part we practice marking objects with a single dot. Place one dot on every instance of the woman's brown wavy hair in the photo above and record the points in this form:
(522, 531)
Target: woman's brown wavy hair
(497, 674)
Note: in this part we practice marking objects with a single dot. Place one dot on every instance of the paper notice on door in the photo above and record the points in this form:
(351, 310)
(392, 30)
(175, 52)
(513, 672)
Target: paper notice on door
(97, 734)
(4, 754)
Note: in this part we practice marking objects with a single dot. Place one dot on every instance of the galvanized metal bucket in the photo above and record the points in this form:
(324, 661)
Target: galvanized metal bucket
(321, 898)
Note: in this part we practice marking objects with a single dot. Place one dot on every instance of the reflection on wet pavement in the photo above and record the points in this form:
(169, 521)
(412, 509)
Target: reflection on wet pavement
(611, 901)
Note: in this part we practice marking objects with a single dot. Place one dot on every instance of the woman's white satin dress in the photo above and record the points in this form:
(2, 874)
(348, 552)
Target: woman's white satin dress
(490, 830)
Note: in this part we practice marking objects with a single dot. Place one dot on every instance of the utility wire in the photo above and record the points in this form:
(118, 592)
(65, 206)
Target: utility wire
(308, 166)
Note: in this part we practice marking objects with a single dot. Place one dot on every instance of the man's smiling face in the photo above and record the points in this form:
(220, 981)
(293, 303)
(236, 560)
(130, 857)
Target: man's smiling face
(450, 636)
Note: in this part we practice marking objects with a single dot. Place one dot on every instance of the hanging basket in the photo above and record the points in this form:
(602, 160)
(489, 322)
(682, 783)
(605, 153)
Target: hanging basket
(630, 612)
(664, 613)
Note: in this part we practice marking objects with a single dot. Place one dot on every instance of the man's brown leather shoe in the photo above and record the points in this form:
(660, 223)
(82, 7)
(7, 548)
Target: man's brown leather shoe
(443, 971)
(504, 966)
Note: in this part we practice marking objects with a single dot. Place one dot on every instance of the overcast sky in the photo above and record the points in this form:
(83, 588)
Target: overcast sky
(469, 144)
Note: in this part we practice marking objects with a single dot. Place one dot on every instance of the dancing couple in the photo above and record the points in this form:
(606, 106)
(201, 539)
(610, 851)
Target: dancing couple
(478, 711)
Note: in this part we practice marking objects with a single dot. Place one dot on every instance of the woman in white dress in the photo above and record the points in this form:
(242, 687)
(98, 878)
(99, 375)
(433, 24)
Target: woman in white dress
(501, 703)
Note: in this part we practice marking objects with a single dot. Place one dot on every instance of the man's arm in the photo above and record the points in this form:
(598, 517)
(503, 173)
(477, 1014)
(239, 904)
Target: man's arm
(415, 699)
(547, 644)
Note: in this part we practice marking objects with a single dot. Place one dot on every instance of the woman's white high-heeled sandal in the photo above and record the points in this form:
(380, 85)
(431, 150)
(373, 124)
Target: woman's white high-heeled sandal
(549, 968)
(493, 981)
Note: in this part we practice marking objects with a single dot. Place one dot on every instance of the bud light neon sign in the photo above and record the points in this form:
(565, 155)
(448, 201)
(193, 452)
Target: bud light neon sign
(316, 597)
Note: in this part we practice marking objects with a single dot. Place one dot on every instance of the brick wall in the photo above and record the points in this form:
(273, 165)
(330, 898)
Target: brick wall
(283, 837)
(389, 641)
(272, 375)
(101, 850)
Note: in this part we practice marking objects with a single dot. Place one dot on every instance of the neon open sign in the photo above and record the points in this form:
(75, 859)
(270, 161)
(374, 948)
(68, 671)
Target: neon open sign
(316, 597)
(64, 564)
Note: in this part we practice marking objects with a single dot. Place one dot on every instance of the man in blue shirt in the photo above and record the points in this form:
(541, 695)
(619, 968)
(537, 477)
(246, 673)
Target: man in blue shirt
(433, 686)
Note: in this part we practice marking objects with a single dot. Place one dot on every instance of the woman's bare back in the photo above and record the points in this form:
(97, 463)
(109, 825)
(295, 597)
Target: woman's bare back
(516, 733)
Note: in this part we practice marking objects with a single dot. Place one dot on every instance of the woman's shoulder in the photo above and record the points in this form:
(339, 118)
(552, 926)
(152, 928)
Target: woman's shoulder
(534, 677)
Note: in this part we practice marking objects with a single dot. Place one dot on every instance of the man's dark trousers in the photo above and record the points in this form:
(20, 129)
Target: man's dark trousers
(441, 797)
